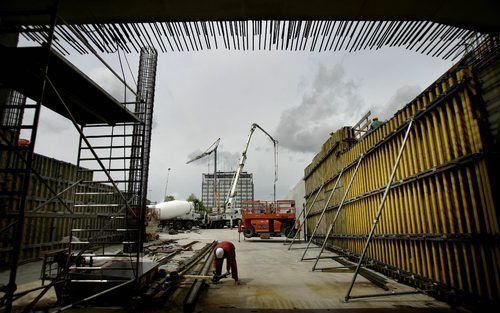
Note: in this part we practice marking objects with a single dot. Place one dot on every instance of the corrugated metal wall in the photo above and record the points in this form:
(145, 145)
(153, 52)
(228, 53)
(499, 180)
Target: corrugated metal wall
(439, 228)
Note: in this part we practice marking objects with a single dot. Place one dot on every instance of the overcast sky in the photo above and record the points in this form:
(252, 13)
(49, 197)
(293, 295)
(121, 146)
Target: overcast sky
(298, 97)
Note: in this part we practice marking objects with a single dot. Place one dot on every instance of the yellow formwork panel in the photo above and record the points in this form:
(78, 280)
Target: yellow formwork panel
(439, 225)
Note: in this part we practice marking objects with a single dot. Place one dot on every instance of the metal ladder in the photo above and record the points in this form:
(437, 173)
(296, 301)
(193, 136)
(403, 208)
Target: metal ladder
(15, 172)
(16, 160)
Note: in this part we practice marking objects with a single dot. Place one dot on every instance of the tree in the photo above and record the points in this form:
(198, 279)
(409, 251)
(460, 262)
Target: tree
(201, 206)
(169, 198)
(198, 204)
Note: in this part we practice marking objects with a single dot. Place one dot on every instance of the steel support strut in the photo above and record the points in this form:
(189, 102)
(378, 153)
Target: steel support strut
(42, 180)
(376, 220)
(338, 211)
(322, 213)
(305, 213)
(297, 220)
(58, 196)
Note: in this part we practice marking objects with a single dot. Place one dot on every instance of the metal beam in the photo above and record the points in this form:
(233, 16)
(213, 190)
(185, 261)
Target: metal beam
(379, 213)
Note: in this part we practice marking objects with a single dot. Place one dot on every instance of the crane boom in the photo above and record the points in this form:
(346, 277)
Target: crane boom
(212, 149)
(241, 164)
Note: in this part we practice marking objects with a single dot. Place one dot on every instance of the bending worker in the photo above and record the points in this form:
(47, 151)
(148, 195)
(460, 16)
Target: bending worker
(225, 250)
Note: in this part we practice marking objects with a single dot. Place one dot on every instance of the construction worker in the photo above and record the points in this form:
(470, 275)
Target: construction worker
(375, 123)
(225, 250)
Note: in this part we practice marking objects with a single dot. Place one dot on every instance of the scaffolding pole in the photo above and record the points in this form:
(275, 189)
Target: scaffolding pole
(374, 225)
(11, 287)
(58, 196)
(305, 213)
(338, 211)
(322, 213)
(89, 146)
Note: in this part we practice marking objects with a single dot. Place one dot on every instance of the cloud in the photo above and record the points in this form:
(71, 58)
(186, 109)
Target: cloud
(331, 101)
(326, 105)
(228, 159)
(55, 125)
(399, 99)
(50, 122)
(111, 84)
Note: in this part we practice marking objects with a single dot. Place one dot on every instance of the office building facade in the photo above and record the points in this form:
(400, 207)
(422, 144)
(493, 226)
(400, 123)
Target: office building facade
(244, 189)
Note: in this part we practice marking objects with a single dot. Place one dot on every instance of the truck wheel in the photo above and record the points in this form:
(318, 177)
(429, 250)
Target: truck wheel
(188, 225)
(177, 225)
(248, 232)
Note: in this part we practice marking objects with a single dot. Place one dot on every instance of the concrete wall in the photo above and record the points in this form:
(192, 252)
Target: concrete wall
(297, 193)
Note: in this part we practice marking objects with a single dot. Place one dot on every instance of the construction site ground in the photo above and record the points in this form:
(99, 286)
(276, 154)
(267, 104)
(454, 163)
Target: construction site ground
(274, 278)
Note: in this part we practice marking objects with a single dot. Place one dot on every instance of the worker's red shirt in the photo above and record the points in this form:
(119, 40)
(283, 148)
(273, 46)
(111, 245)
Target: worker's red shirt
(230, 256)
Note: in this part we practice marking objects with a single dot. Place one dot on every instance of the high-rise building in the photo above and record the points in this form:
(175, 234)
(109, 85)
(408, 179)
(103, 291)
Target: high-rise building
(244, 189)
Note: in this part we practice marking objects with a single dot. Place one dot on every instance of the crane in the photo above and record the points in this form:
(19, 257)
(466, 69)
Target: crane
(232, 192)
(212, 149)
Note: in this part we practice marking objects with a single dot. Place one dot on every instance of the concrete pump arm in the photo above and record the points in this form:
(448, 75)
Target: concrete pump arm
(232, 192)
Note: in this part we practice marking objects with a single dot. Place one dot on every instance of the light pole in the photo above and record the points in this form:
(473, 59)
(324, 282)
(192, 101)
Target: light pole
(166, 185)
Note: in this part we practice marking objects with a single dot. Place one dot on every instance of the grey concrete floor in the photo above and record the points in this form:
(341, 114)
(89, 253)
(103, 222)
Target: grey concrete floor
(28, 277)
(28, 274)
(272, 277)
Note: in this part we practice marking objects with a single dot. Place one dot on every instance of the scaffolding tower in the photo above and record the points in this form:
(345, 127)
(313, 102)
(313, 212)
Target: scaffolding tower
(111, 182)
(118, 156)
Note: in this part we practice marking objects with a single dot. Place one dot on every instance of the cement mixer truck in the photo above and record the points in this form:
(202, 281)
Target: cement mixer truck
(176, 214)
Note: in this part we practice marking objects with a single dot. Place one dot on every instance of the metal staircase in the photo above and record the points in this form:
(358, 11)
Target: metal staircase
(113, 165)
(104, 191)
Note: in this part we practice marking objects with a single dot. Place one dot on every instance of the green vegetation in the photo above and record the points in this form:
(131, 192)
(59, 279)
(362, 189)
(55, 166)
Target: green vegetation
(169, 198)
(198, 204)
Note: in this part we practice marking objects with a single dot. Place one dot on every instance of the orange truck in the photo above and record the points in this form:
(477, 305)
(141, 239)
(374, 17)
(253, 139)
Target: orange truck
(267, 218)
